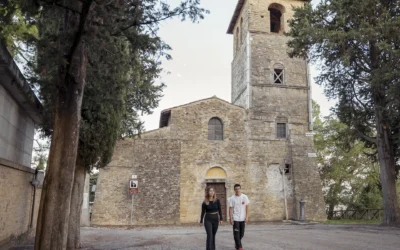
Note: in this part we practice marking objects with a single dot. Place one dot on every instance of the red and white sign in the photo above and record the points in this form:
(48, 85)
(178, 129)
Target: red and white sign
(133, 186)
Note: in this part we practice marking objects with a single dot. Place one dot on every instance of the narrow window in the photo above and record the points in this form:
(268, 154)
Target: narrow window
(275, 20)
(287, 168)
(281, 130)
(215, 129)
(237, 38)
(278, 76)
(241, 28)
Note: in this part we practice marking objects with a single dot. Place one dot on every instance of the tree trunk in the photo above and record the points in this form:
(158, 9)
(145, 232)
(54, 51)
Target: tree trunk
(384, 145)
(74, 226)
(52, 228)
(388, 174)
(330, 211)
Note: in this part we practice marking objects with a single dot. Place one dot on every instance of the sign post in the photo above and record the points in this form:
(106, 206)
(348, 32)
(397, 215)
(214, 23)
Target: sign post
(133, 189)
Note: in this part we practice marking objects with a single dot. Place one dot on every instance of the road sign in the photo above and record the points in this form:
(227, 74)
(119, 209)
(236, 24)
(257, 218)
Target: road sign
(133, 186)
(133, 190)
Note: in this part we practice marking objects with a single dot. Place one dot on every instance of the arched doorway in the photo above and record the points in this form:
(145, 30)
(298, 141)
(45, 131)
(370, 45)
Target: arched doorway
(216, 178)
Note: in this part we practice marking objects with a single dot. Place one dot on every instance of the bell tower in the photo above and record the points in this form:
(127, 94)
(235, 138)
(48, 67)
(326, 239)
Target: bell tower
(264, 77)
(276, 91)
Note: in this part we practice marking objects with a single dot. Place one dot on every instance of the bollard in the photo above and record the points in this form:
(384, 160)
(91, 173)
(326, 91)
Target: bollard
(302, 213)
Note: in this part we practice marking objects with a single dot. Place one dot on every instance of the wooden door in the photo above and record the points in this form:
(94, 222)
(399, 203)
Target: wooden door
(220, 190)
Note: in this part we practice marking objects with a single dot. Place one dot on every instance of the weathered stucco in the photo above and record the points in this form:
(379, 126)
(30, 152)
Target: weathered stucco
(16, 195)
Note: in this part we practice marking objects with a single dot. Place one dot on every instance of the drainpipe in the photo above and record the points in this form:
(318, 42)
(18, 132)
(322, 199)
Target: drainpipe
(34, 183)
(309, 98)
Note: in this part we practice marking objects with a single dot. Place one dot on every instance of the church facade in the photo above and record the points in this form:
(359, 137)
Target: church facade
(262, 139)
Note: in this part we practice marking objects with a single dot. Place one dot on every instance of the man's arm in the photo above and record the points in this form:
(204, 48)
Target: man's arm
(230, 215)
(247, 214)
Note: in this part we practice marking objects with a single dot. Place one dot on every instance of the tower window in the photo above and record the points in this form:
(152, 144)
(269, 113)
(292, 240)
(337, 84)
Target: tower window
(241, 27)
(215, 129)
(275, 14)
(278, 76)
(237, 38)
(281, 130)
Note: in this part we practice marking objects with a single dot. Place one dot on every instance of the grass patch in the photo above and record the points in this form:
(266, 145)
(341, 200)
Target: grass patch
(347, 221)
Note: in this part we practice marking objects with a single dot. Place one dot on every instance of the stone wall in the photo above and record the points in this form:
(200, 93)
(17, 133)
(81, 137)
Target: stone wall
(16, 196)
(240, 65)
(199, 154)
(156, 164)
(260, 17)
(246, 156)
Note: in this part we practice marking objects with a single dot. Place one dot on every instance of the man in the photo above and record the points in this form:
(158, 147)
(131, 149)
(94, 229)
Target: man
(238, 214)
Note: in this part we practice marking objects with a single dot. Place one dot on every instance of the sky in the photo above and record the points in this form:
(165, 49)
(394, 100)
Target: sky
(201, 66)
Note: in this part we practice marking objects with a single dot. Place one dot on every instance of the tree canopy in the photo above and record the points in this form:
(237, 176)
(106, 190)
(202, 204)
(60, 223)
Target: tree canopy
(357, 44)
(95, 66)
(349, 176)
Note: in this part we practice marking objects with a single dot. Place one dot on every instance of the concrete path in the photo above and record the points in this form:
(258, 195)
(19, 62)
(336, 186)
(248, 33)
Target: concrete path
(272, 237)
(257, 237)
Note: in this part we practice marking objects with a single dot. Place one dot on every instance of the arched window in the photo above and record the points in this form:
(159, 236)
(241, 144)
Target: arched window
(237, 38)
(215, 129)
(279, 74)
(275, 15)
(241, 28)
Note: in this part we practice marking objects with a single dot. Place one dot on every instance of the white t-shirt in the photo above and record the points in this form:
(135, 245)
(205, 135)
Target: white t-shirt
(238, 205)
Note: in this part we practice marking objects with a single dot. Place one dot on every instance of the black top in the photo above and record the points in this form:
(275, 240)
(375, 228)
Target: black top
(212, 207)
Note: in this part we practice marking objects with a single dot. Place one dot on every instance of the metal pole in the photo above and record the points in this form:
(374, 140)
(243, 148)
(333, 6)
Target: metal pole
(302, 213)
(132, 209)
(34, 183)
(33, 206)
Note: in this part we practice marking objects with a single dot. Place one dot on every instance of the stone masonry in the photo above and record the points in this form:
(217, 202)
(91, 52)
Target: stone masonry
(176, 162)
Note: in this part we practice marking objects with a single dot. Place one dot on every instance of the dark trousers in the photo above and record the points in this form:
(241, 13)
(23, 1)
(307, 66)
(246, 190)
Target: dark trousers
(211, 222)
(238, 233)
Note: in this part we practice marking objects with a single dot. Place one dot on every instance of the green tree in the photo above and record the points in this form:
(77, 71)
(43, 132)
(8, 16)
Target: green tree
(350, 177)
(67, 29)
(109, 111)
(40, 152)
(359, 48)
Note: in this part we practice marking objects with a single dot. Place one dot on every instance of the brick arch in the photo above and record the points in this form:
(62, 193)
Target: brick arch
(216, 173)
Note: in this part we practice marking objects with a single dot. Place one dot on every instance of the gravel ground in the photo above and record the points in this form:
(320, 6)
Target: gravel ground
(257, 236)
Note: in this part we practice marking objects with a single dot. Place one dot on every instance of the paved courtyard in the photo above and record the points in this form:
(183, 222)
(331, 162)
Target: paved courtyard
(260, 236)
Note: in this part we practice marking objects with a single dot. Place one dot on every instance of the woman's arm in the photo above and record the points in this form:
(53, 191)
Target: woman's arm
(219, 210)
(203, 211)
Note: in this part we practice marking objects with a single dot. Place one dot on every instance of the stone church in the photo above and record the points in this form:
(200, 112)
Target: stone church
(262, 139)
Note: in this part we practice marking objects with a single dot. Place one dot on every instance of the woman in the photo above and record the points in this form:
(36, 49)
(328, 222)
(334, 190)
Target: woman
(211, 207)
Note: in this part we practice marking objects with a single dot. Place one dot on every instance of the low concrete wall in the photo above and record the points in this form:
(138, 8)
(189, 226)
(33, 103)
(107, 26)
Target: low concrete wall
(16, 196)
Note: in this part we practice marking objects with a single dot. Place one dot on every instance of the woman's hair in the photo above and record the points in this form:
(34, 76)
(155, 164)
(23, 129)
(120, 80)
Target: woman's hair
(207, 197)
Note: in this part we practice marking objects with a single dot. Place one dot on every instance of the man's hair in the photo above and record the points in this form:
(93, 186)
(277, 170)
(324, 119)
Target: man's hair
(236, 185)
